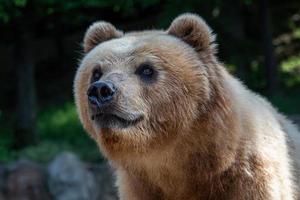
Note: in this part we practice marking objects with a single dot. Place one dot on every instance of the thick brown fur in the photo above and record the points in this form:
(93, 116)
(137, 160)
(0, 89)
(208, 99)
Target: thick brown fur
(203, 134)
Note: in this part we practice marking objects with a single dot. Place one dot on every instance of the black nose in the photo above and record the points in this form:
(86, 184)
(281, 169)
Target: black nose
(101, 92)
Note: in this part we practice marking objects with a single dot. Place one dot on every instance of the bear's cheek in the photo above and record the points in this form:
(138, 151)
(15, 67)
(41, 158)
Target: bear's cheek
(80, 88)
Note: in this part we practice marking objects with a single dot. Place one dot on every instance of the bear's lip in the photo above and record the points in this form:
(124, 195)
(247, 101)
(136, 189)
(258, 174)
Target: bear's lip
(111, 120)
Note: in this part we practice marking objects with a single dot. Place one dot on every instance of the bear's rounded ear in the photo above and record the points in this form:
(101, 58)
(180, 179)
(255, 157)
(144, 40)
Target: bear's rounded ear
(99, 32)
(193, 30)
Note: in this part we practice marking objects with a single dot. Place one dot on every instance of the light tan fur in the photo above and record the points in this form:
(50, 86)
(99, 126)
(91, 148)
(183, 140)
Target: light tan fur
(203, 135)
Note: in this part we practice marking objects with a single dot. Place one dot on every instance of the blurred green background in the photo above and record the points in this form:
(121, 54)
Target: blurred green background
(259, 42)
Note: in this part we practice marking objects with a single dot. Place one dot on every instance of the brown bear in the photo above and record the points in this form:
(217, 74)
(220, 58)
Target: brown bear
(173, 123)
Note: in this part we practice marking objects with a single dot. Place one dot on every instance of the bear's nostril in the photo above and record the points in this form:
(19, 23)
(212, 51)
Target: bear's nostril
(105, 92)
(92, 92)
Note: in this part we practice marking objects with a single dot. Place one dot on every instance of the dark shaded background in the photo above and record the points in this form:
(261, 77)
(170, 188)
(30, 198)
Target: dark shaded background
(259, 41)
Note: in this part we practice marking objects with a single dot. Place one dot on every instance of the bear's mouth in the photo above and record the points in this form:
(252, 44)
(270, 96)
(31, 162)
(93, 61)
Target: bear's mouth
(108, 120)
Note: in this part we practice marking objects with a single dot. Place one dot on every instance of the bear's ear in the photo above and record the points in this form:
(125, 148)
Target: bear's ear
(193, 30)
(99, 32)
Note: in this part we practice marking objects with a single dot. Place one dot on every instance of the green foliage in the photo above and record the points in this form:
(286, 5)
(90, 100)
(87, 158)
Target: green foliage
(45, 151)
(296, 33)
(53, 121)
(6, 153)
(6, 135)
(59, 130)
(20, 3)
(4, 14)
(248, 2)
(69, 9)
(291, 71)
(291, 64)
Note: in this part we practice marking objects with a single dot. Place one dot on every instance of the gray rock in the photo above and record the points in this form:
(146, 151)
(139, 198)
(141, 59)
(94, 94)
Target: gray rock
(69, 179)
(26, 181)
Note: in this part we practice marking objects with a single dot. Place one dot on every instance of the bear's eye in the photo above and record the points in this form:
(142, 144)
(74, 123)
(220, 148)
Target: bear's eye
(146, 72)
(96, 75)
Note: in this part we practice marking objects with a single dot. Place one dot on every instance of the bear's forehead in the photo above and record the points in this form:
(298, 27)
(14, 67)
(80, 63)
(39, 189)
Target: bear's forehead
(114, 49)
(125, 46)
(118, 46)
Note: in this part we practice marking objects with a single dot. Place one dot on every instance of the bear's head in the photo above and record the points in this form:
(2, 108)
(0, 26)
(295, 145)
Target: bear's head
(141, 90)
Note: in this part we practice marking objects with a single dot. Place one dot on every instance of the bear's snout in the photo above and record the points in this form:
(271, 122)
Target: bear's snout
(100, 93)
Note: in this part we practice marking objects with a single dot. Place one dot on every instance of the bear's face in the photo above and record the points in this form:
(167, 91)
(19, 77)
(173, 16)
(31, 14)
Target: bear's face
(141, 89)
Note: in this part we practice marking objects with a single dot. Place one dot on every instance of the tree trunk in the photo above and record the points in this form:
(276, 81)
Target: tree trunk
(268, 48)
(25, 133)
